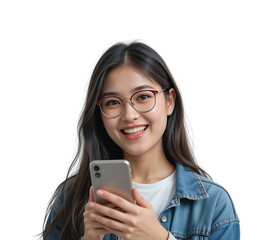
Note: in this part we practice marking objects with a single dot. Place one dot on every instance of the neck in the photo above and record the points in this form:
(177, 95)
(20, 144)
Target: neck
(149, 167)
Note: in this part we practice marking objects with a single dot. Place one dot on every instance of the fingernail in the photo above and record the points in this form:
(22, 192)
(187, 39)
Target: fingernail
(92, 215)
(99, 192)
(91, 204)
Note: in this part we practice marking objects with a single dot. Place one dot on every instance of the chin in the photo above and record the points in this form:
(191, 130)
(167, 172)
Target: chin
(134, 151)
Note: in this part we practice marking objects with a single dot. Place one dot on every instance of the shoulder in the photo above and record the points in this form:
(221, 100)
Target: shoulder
(55, 206)
(220, 202)
(61, 194)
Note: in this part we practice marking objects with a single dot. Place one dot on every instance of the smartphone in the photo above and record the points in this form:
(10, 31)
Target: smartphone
(113, 176)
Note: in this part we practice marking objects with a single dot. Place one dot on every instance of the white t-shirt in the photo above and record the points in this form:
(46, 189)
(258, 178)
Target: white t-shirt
(159, 194)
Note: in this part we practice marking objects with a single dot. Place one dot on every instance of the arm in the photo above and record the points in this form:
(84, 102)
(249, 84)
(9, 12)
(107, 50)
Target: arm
(55, 234)
(227, 231)
(225, 223)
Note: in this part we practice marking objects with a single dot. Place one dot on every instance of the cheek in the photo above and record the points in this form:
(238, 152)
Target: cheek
(157, 117)
(158, 113)
(110, 125)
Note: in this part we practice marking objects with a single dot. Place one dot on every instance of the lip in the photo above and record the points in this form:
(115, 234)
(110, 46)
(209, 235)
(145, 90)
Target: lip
(134, 136)
(135, 126)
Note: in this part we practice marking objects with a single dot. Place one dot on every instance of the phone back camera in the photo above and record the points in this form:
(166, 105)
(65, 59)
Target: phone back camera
(97, 175)
(96, 168)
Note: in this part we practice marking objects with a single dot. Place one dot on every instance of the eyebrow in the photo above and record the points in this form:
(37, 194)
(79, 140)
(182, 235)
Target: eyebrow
(133, 90)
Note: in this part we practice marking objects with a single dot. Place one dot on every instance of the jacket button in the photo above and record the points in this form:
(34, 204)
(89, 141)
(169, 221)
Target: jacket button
(164, 219)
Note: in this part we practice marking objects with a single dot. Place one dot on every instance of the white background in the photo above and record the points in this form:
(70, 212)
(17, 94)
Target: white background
(218, 52)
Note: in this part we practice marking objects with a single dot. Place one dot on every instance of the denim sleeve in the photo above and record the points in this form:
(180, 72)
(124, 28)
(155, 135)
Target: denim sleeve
(55, 208)
(55, 234)
(228, 231)
(225, 223)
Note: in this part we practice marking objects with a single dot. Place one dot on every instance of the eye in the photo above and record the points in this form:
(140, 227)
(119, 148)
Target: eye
(143, 97)
(110, 102)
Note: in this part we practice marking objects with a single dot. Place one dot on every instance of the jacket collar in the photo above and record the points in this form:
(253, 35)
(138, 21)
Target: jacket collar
(189, 184)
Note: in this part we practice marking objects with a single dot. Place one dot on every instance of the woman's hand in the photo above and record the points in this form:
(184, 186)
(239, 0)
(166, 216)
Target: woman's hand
(132, 223)
(92, 229)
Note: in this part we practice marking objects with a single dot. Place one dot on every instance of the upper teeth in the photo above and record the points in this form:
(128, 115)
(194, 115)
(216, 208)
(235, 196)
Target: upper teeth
(133, 130)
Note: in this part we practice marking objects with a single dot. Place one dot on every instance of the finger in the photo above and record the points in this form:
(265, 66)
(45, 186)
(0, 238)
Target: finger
(93, 225)
(118, 201)
(89, 223)
(108, 222)
(140, 199)
(88, 206)
(92, 199)
(91, 194)
(109, 212)
(111, 205)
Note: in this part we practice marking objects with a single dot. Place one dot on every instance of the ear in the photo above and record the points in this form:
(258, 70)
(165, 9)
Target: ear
(171, 101)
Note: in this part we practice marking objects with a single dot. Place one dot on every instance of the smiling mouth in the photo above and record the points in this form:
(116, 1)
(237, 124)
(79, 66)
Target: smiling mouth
(134, 131)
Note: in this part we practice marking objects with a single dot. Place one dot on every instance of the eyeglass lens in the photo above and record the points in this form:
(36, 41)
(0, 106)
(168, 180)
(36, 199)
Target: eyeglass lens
(142, 101)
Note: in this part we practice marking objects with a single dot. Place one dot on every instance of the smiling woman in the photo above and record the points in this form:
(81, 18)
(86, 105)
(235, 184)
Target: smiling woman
(134, 111)
(140, 122)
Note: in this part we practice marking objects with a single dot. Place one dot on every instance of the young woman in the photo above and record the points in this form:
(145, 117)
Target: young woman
(134, 111)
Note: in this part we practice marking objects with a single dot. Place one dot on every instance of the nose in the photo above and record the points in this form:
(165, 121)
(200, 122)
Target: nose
(129, 112)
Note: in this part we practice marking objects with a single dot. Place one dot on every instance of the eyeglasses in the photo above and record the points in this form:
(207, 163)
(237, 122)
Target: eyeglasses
(143, 101)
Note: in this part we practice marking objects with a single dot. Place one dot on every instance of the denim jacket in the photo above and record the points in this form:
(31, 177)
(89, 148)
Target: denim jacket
(199, 210)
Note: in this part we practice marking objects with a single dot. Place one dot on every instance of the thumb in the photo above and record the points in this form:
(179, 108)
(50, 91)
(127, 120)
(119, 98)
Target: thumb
(91, 194)
(140, 199)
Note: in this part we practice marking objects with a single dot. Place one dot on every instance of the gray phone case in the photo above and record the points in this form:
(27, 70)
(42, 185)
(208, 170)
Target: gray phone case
(113, 176)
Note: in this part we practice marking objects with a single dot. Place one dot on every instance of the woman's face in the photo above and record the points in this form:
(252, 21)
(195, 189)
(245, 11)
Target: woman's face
(135, 132)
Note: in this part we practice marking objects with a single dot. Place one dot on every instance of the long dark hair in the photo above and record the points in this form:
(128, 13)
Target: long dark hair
(94, 142)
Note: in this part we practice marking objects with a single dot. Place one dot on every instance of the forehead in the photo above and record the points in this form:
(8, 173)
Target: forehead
(125, 79)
